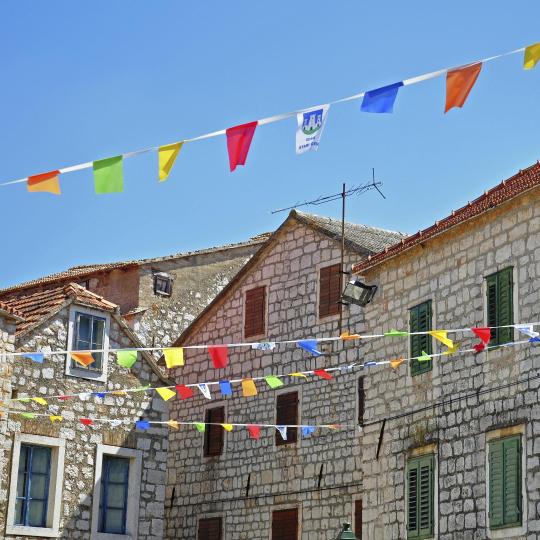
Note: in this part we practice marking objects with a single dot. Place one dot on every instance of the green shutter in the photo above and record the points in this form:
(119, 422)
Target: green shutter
(500, 305)
(505, 499)
(420, 321)
(420, 497)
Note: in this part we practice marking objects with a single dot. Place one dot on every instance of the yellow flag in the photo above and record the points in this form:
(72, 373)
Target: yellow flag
(165, 393)
(396, 363)
(452, 349)
(55, 418)
(227, 427)
(39, 400)
(174, 424)
(297, 374)
(531, 57)
(119, 393)
(249, 388)
(174, 357)
(442, 336)
(167, 156)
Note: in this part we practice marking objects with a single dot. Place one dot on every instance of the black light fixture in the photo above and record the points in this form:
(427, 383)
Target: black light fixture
(358, 293)
(346, 533)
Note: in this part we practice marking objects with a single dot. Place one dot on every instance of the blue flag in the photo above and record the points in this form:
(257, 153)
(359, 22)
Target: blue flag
(225, 388)
(307, 431)
(310, 345)
(142, 424)
(35, 357)
(381, 100)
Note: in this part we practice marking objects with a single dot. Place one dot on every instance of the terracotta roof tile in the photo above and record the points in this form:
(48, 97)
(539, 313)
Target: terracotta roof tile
(508, 189)
(6, 308)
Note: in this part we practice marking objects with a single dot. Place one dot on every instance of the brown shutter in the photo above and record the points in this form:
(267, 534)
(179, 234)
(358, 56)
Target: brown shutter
(209, 529)
(255, 308)
(358, 519)
(329, 290)
(287, 414)
(213, 435)
(361, 401)
(285, 524)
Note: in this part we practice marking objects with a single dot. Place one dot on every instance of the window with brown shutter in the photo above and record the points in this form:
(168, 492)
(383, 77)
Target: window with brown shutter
(361, 401)
(285, 524)
(213, 435)
(209, 529)
(358, 519)
(287, 415)
(329, 290)
(254, 312)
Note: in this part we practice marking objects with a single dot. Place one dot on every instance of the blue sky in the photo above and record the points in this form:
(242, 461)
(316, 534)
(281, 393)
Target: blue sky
(82, 81)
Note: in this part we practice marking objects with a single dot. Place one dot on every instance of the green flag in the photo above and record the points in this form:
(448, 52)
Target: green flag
(396, 333)
(200, 427)
(126, 358)
(28, 415)
(273, 381)
(108, 175)
(424, 358)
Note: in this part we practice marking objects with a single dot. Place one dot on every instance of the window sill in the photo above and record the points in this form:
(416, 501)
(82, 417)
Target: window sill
(511, 531)
(98, 376)
(111, 536)
(36, 532)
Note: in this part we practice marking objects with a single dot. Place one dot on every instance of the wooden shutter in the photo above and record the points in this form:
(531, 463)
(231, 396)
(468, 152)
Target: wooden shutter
(505, 500)
(255, 309)
(210, 529)
(361, 401)
(500, 305)
(358, 519)
(287, 414)
(285, 524)
(420, 485)
(213, 435)
(329, 290)
(420, 321)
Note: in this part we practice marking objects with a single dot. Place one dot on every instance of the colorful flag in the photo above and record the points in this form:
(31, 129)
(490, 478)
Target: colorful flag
(86, 421)
(46, 182)
(307, 431)
(142, 424)
(184, 391)
(126, 358)
(310, 345)
(28, 415)
(55, 418)
(205, 391)
(108, 175)
(174, 424)
(248, 388)
(459, 83)
(396, 333)
(310, 127)
(200, 426)
(254, 432)
(115, 423)
(396, 363)
(527, 329)
(219, 355)
(166, 157)
(174, 357)
(264, 346)
(345, 336)
(442, 336)
(484, 334)
(238, 143)
(381, 100)
(273, 382)
(225, 388)
(40, 400)
(282, 431)
(227, 427)
(83, 358)
(424, 357)
(531, 56)
(322, 373)
(35, 357)
(298, 374)
(451, 350)
(165, 393)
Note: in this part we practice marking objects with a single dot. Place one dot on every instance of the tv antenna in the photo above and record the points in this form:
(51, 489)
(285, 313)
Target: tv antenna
(323, 199)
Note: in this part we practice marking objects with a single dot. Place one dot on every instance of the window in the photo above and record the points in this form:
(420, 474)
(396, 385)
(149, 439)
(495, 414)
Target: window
(420, 321)
(89, 334)
(285, 524)
(500, 305)
(358, 519)
(117, 487)
(420, 497)
(505, 497)
(213, 434)
(162, 284)
(36, 486)
(114, 495)
(254, 313)
(287, 415)
(361, 401)
(210, 529)
(329, 290)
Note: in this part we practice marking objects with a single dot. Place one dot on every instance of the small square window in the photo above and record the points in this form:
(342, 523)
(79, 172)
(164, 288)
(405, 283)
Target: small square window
(162, 284)
(285, 524)
(210, 529)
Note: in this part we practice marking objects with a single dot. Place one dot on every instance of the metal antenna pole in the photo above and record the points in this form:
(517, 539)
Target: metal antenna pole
(342, 265)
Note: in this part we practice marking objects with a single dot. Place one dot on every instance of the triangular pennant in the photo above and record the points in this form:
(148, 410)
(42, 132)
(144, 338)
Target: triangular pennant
(46, 182)
(227, 427)
(442, 336)
(86, 421)
(205, 390)
(425, 357)
(310, 345)
(396, 363)
(254, 431)
(115, 423)
(273, 382)
(126, 358)
(298, 374)
(459, 83)
(28, 415)
(174, 357)
(141, 388)
(396, 333)
(142, 424)
(451, 350)
(238, 143)
(225, 388)
(381, 100)
(173, 424)
(35, 357)
(200, 426)
(184, 391)
(531, 56)
(485, 335)
(219, 355)
(534, 340)
(39, 400)
(165, 393)
(83, 358)
(527, 330)
(345, 336)
(99, 394)
(307, 431)
(109, 175)
(282, 431)
(310, 127)
(264, 346)
(322, 373)
(55, 418)
(65, 398)
(248, 388)
(166, 158)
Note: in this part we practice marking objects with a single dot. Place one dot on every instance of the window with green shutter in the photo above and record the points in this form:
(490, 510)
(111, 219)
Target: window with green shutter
(500, 305)
(420, 321)
(420, 497)
(505, 498)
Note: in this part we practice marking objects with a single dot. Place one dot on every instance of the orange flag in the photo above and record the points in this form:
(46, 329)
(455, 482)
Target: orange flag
(46, 182)
(248, 388)
(459, 83)
(83, 358)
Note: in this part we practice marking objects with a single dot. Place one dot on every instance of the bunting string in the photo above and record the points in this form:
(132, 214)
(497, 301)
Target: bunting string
(108, 172)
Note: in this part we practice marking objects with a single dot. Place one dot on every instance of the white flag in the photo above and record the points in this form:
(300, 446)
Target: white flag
(282, 431)
(205, 391)
(310, 128)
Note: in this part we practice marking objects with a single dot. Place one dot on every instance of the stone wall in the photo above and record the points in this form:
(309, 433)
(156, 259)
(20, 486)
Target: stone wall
(450, 271)
(283, 476)
(48, 379)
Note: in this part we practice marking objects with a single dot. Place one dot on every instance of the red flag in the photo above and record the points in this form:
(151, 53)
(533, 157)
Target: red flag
(86, 421)
(485, 335)
(47, 182)
(184, 392)
(64, 398)
(322, 373)
(459, 83)
(238, 143)
(219, 356)
(254, 431)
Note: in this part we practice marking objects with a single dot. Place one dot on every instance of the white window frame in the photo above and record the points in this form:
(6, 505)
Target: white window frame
(58, 447)
(134, 490)
(82, 373)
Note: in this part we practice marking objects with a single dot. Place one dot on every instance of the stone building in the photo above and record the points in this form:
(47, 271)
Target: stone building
(159, 297)
(451, 445)
(224, 485)
(77, 468)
